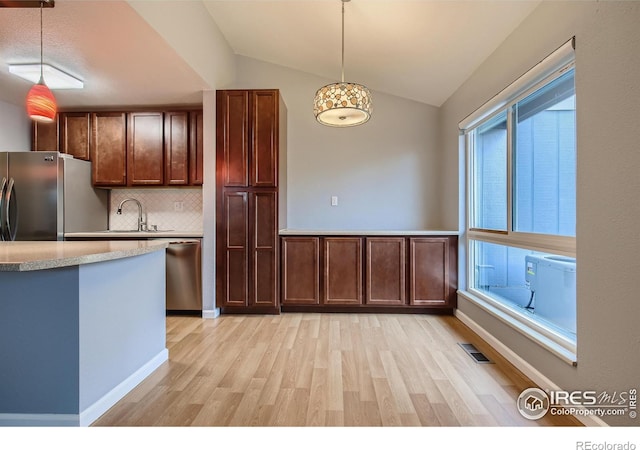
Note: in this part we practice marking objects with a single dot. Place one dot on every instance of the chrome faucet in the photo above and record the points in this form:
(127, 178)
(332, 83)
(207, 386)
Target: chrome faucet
(141, 222)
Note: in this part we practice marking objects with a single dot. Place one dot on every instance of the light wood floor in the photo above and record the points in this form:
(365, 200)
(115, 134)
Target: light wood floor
(325, 370)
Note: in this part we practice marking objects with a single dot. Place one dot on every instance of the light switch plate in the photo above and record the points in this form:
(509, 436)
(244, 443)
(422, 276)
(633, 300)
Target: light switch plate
(334, 200)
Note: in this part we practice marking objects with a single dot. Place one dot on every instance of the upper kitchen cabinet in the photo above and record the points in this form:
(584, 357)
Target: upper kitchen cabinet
(109, 148)
(75, 132)
(44, 136)
(196, 148)
(249, 129)
(176, 147)
(145, 150)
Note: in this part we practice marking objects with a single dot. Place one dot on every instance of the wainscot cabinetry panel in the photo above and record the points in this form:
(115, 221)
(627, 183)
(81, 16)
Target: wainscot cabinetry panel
(248, 123)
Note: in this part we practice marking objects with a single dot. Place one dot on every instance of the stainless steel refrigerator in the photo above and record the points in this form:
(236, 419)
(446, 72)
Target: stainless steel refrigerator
(46, 194)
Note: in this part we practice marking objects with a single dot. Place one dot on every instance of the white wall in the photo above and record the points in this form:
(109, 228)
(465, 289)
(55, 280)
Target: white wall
(189, 28)
(385, 172)
(608, 183)
(15, 128)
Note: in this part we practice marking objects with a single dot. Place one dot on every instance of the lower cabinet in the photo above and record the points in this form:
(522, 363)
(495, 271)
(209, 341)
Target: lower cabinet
(369, 273)
(301, 271)
(342, 271)
(386, 271)
(429, 270)
(247, 252)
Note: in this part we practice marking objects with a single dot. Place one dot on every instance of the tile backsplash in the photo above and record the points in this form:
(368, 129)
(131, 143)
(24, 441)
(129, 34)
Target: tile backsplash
(158, 208)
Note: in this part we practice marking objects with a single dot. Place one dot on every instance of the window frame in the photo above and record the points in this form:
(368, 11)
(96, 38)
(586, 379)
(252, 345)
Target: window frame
(563, 347)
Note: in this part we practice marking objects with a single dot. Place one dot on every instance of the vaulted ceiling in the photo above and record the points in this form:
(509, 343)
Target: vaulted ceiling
(418, 49)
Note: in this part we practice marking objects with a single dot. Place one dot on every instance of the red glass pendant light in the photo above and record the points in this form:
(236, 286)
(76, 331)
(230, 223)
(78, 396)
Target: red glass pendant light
(41, 104)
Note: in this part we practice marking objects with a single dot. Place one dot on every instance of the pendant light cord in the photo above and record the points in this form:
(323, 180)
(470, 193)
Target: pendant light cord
(343, 1)
(41, 57)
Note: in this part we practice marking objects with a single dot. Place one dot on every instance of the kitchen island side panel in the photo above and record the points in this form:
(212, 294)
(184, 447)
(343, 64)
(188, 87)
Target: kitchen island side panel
(39, 342)
(122, 321)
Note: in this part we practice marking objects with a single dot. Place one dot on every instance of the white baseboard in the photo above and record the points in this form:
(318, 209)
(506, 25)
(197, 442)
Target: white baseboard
(94, 411)
(90, 414)
(210, 313)
(523, 366)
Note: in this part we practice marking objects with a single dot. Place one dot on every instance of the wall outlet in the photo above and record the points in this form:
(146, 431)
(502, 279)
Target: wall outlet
(178, 206)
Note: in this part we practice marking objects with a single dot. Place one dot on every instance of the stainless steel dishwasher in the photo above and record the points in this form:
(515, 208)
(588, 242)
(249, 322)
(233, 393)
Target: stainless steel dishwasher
(184, 278)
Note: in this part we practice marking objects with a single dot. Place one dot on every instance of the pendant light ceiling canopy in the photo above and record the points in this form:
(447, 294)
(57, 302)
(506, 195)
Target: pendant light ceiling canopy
(41, 104)
(342, 104)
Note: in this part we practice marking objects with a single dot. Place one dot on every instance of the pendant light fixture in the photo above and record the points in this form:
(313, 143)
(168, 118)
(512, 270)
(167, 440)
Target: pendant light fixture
(41, 104)
(342, 104)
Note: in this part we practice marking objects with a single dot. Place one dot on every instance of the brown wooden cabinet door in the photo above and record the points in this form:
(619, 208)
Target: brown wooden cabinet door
(75, 132)
(108, 149)
(44, 136)
(264, 138)
(196, 149)
(145, 150)
(232, 118)
(233, 282)
(429, 269)
(385, 271)
(300, 270)
(176, 147)
(342, 271)
(264, 247)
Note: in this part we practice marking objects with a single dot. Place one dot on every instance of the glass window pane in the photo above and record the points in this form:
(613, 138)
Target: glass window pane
(489, 166)
(545, 160)
(540, 284)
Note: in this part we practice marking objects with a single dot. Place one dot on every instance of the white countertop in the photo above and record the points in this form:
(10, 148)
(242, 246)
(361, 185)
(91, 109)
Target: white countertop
(23, 256)
(134, 234)
(293, 232)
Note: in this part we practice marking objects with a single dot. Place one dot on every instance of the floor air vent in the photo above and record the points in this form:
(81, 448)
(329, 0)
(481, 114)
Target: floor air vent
(476, 354)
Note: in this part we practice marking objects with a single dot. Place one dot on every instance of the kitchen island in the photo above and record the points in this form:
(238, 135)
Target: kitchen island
(81, 324)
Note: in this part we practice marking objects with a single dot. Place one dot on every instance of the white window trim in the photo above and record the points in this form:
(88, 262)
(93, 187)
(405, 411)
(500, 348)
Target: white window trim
(555, 343)
(543, 73)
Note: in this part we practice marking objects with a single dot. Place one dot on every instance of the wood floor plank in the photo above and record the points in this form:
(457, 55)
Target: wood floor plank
(325, 369)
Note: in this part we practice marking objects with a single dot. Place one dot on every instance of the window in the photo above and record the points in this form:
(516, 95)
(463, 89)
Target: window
(521, 203)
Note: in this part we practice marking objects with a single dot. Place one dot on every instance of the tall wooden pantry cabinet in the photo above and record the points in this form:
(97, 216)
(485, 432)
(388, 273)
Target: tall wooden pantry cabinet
(250, 183)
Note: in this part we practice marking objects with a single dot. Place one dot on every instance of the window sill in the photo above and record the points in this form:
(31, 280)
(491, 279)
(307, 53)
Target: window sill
(548, 339)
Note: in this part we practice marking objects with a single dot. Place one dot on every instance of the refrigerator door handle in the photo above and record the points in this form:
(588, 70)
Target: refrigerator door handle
(10, 197)
(3, 187)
